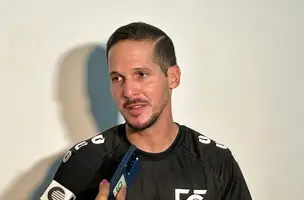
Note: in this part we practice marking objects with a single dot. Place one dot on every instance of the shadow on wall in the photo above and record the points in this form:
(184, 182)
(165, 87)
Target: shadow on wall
(86, 108)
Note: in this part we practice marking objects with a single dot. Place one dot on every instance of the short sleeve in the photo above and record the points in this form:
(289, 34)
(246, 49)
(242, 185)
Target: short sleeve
(233, 184)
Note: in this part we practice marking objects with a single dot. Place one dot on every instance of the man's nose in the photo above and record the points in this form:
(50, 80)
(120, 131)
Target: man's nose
(130, 89)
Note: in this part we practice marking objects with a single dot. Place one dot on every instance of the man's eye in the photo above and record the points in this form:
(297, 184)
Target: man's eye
(115, 79)
(141, 74)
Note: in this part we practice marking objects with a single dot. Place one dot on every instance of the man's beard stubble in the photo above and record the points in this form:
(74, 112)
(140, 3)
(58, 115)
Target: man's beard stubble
(154, 117)
(146, 125)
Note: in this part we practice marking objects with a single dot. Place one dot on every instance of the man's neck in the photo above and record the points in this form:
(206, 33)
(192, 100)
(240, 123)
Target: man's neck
(156, 138)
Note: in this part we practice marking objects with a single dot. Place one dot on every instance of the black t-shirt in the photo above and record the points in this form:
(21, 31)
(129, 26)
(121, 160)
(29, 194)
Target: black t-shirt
(193, 168)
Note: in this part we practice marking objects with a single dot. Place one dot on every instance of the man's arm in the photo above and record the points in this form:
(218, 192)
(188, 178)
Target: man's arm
(229, 175)
(233, 182)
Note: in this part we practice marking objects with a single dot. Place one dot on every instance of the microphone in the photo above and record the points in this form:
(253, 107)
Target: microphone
(77, 182)
(56, 191)
(72, 178)
(78, 178)
(82, 169)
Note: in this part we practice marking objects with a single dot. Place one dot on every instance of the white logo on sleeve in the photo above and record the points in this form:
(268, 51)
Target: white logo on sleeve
(197, 194)
(98, 139)
(67, 156)
(56, 191)
(206, 140)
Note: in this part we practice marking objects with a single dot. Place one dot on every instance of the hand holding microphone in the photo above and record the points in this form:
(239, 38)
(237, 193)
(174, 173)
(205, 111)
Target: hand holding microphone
(104, 190)
(122, 178)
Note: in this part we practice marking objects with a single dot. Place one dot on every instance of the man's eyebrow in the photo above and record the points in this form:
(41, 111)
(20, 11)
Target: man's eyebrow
(112, 73)
(136, 69)
(141, 69)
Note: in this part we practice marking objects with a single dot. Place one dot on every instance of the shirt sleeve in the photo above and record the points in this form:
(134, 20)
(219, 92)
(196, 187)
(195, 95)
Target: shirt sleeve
(80, 165)
(233, 184)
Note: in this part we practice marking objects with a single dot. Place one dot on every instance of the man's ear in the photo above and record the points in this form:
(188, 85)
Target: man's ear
(173, 74)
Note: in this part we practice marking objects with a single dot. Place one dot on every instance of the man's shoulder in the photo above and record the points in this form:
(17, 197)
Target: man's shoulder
(218, 158)
(204, 148)
(98, 145)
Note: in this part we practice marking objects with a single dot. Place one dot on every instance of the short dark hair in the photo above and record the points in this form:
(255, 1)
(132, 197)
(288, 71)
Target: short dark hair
(164, 52)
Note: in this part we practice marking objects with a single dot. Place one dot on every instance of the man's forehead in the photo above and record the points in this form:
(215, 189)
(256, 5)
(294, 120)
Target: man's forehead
(128, 56)
(131, 63)
(130, 49)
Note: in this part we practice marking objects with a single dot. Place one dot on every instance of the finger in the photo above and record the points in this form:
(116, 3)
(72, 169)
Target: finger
(103, 193)
(122, 193)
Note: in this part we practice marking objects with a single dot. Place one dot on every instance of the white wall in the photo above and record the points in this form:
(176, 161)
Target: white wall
(242, 82)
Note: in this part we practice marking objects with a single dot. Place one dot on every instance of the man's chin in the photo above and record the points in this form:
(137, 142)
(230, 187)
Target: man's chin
(137, 126)
(140, 122)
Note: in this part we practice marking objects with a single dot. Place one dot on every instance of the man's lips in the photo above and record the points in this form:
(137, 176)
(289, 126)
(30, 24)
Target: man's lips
(135, 105)
(136, 109)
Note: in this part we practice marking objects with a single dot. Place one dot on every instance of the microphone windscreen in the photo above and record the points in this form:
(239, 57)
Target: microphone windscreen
(56, 191)
(75, 173)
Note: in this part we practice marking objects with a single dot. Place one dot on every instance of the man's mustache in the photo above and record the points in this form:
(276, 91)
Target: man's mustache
(134, 101)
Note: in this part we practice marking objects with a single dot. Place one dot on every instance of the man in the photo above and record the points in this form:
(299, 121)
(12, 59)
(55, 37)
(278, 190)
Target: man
(176, 162)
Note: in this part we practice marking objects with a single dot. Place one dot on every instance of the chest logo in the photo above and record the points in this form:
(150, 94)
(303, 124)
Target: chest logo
(185, 194)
